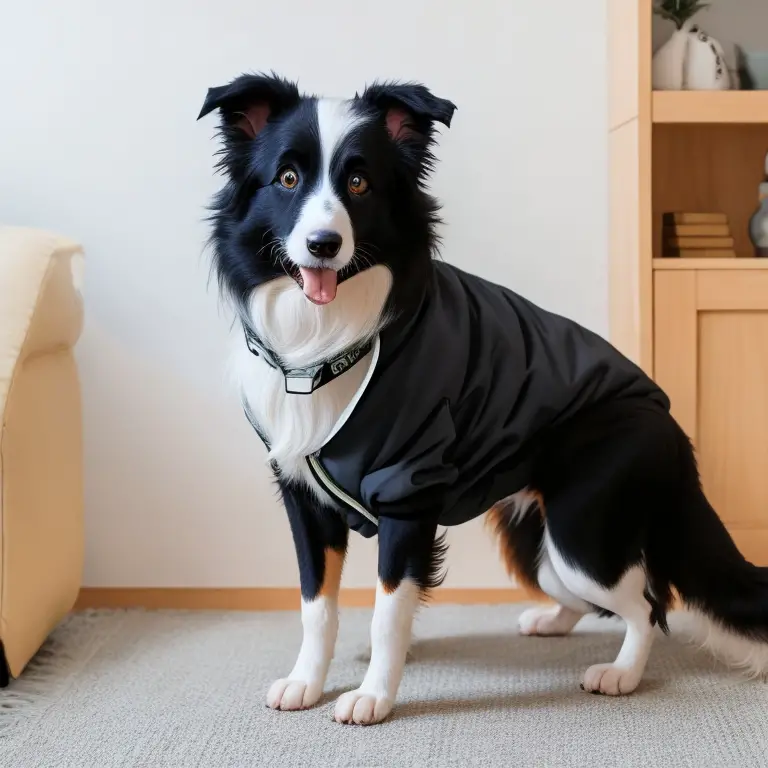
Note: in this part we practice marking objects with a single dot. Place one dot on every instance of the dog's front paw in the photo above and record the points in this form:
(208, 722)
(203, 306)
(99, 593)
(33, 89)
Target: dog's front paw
(361, 708)
(287, 694)
(611, 680)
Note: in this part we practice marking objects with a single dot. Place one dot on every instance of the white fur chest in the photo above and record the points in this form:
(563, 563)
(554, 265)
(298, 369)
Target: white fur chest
(301, 333)
(295, 425)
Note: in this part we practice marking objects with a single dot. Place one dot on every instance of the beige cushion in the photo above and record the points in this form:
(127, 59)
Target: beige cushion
(41, 486)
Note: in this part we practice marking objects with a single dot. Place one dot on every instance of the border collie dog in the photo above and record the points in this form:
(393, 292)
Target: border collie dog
(396, 393)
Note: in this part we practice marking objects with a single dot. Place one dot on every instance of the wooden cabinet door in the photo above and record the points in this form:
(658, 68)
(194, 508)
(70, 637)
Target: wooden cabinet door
(711, 357)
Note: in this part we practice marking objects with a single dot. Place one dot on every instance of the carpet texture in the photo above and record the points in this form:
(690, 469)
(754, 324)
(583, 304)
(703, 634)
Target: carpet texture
(134, 688)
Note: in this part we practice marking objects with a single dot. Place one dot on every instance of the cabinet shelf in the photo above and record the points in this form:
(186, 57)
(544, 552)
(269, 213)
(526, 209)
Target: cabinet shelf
(710, 107)
(706, 263)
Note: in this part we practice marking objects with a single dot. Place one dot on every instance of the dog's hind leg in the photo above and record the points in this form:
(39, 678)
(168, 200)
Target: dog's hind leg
(607, 479)
(548, 620)
(626, 599)
(518, 521)
(552, 620)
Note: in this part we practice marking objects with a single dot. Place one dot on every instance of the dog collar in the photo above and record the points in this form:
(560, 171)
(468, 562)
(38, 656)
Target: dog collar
(304, 381)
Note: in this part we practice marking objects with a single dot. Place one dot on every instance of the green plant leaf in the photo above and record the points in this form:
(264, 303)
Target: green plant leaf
(678, 11)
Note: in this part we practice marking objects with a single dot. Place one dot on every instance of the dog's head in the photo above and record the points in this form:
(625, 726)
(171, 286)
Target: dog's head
(320, 188)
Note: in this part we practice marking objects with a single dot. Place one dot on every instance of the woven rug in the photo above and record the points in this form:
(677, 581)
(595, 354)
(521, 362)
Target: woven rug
(134, 688)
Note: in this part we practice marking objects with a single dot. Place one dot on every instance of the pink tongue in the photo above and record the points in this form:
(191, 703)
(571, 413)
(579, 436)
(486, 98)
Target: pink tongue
(319, 284)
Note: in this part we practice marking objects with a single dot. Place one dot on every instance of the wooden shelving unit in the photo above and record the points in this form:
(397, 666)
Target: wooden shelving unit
(699, 326)
(728, 107)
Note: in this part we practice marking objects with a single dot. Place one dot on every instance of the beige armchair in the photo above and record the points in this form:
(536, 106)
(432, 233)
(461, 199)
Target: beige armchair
(41, 486)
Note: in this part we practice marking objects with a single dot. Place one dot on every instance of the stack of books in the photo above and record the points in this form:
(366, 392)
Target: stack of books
(697, 235)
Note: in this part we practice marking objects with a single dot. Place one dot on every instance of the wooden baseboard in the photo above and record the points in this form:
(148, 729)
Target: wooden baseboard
(269, 598)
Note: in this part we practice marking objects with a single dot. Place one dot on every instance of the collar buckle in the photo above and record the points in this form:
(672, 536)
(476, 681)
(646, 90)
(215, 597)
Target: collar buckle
(303, 381)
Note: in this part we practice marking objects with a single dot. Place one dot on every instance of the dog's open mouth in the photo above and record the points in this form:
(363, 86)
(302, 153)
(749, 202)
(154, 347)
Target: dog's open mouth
(319, 285)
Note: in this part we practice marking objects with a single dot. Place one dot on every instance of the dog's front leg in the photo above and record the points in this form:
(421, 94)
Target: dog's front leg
(320, 537)
(408, 562)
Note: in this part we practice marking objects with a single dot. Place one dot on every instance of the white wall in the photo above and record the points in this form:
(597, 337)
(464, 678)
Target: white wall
(98, 140)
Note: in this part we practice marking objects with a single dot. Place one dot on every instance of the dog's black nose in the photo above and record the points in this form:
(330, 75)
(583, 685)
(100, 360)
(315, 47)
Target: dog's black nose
(324, 244)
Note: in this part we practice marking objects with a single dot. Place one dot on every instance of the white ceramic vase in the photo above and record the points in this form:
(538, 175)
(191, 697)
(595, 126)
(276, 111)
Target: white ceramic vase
(690, 60)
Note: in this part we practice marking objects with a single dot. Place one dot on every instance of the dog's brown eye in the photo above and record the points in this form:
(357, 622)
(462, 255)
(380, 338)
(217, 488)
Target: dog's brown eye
(289, 178)
(358, 184)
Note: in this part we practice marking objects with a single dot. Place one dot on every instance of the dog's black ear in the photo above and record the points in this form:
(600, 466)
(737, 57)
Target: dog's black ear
(409, 112)
(409, 109)
(250, 100)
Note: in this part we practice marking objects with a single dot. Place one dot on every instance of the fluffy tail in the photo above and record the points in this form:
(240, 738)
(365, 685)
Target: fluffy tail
(727, 594)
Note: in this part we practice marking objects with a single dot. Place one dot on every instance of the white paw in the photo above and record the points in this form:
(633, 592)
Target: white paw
(286, 694)
(361, 708)
(611, 680)
(544, 620)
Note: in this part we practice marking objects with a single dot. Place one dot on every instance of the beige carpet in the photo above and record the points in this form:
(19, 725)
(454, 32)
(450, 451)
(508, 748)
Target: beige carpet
(187, 689)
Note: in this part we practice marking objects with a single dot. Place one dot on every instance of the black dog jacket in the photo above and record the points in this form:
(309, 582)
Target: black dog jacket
(460, 396)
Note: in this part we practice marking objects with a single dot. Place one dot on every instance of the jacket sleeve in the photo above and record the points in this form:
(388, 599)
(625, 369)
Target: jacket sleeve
(418, 477)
